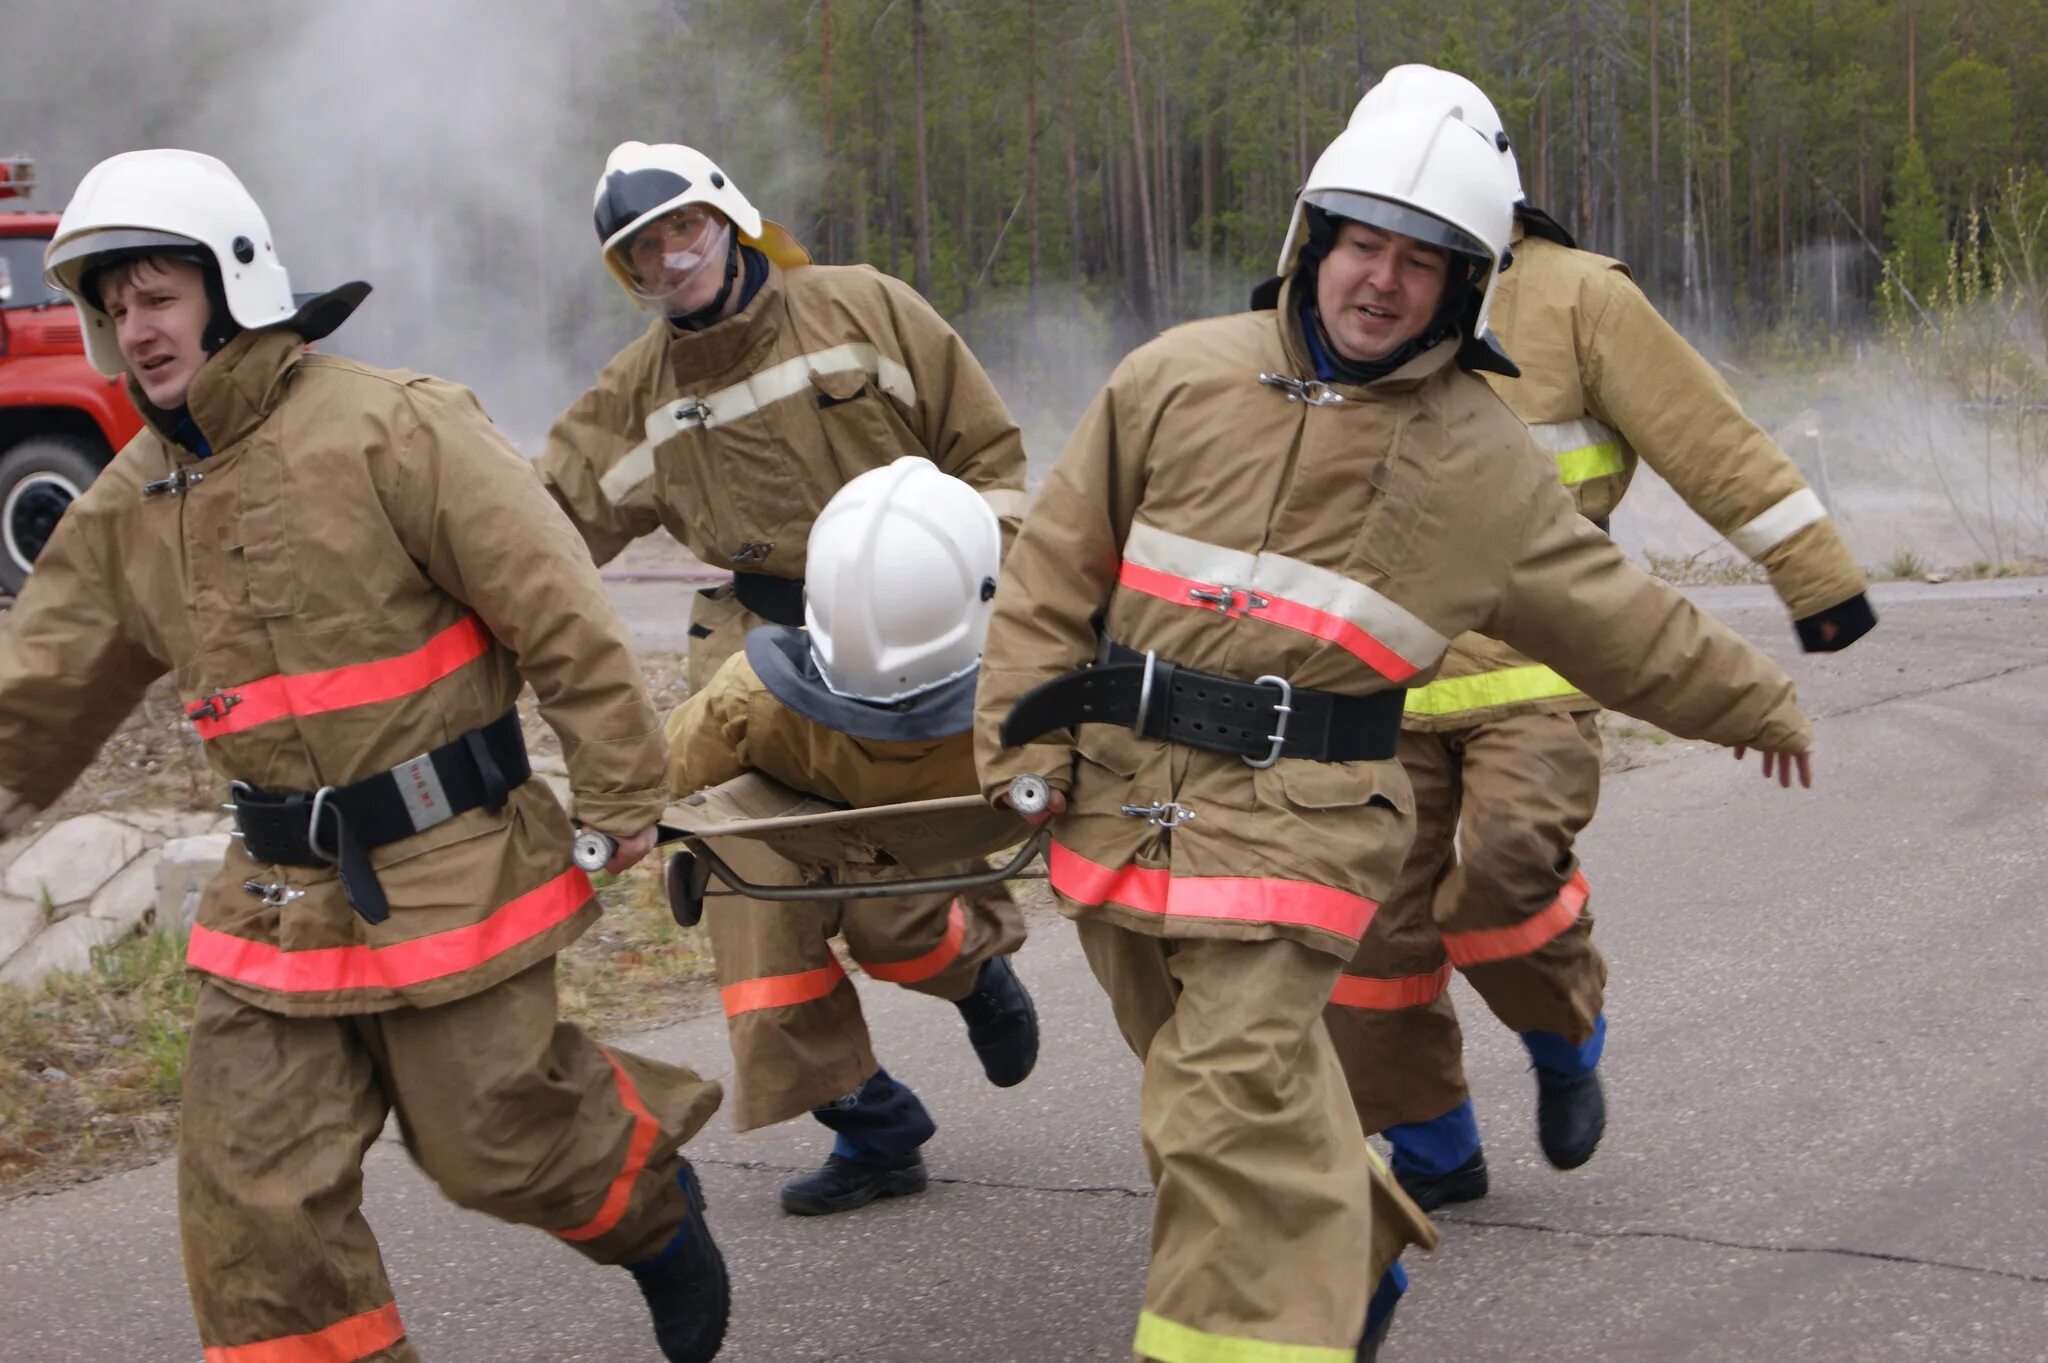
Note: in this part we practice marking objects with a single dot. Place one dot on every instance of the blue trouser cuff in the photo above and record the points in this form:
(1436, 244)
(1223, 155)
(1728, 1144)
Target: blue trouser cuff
(882, 1121)
(1560, 1059)
(1438, 1145)
(1386, 1296)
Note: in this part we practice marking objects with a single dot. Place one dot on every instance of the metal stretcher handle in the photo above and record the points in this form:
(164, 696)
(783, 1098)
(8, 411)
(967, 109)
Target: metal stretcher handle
(689, 873)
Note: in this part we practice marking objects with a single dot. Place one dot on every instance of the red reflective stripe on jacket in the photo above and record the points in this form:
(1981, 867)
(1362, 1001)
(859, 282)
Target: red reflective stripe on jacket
(1276, 610)
(345, 1341)
(780, 991)
(1149, 889)
(920, 968)
(341, 688)
(397, 966)
(1408, 991)
(638, 1147)
(1499, 944)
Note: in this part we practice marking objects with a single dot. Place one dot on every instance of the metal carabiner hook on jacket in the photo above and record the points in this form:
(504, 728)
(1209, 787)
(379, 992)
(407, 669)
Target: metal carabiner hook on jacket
(1314, 392)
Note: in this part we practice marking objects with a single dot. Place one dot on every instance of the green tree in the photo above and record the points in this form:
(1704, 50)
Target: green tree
(1969, 128)
(1914, 226)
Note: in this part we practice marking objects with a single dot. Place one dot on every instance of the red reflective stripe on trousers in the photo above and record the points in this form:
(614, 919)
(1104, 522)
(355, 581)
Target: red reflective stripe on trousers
(399, 965)
(638, 1147)
(345, 1341)
(920, 968)
(1148, 889)
(342, 688)
(780, 991)
(1408, 991)
(1500, 944)
(1278, 610)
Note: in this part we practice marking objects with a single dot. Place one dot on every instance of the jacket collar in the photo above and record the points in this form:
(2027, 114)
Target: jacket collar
(1405, 379)
(741, 343)
(238, 386)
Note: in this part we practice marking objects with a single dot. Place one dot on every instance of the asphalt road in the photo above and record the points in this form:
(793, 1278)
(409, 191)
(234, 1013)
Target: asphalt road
(1828, 1072)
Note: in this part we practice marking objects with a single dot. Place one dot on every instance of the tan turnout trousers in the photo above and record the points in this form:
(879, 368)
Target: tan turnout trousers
(1492, 888)
(510, 1112)
(799, 1038)
(1243, 1090)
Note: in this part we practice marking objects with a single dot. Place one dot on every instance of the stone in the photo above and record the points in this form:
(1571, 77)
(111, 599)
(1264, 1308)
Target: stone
(73, 859)
(183, 868)
(20, 919)
(68, 945)
(130, 897)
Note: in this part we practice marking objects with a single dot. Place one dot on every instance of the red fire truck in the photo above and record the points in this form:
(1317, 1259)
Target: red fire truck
(60, 420)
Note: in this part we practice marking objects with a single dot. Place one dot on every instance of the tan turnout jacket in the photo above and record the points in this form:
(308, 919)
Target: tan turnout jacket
(736, 725)
(1202, 511)
(1607, 381)
(733, 438)
(363, 570)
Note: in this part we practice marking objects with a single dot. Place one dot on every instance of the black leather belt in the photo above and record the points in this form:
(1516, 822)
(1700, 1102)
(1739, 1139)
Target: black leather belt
(779, 600)
(338, 825)
(1261, 721)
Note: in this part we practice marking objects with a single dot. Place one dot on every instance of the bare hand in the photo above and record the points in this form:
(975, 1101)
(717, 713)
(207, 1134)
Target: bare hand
(631, 850)
(1056, 805)
(1782, 765)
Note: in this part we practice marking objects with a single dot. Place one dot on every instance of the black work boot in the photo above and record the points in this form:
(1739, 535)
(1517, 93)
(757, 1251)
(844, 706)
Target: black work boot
(844, 1184)
(1002, 1023)
(1571, 1114)
(686, 1285)
(1466, 1183)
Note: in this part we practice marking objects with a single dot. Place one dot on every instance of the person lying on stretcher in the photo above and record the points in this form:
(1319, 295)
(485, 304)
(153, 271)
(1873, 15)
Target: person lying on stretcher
(870, 704)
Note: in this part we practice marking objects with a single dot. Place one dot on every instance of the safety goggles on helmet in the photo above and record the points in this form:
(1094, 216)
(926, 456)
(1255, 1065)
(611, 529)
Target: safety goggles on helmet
(1393, 217)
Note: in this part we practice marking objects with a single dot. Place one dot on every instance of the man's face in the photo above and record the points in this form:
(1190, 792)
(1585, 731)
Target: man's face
(1377, 290)
(159, 310)
(679, 259)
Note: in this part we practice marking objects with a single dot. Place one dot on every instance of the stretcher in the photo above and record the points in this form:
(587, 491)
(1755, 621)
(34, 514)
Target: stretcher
(819, 836)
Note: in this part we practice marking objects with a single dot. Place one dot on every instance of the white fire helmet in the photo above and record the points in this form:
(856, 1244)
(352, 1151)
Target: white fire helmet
(900, 582)
(1421, 171)
(169, 201)
(646, 181)
(1416, 85)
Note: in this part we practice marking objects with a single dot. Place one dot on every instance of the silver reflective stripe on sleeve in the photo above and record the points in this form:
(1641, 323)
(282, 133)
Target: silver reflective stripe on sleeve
(629, 473)
(1780, 523)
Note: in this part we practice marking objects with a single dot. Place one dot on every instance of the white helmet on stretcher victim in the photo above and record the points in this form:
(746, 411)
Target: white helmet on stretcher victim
(900, 582)
(645, 182)
(1422, 172)
(1417, 86)
(173, 202)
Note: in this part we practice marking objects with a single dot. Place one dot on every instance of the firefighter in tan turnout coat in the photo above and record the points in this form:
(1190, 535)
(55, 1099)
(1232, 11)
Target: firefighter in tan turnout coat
(349, 574)
(1264, 527)
(870, 704)
(1503, 752)
(763, 386)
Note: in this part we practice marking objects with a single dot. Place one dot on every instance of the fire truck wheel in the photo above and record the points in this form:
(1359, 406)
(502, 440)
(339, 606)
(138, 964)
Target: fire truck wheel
(38, 478)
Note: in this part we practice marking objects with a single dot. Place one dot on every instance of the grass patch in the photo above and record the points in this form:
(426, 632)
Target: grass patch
(1904, 566)
(1707, 568)
(93, 1062)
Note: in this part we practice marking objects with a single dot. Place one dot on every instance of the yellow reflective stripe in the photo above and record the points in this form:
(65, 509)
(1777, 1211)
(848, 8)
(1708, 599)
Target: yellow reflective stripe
(1170, 1342)
(1588, 462)
(1483, 690)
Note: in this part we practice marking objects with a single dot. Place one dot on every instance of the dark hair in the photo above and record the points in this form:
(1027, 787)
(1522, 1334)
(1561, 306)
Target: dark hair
(122, 269)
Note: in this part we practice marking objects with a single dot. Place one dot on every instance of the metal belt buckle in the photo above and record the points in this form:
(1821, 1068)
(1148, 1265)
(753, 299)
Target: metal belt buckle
(1145, 692)
(313, 828)
(234, 807)
(1283, 709)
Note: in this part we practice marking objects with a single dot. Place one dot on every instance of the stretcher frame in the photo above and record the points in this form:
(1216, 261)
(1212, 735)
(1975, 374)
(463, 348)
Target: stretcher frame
(818, 836)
